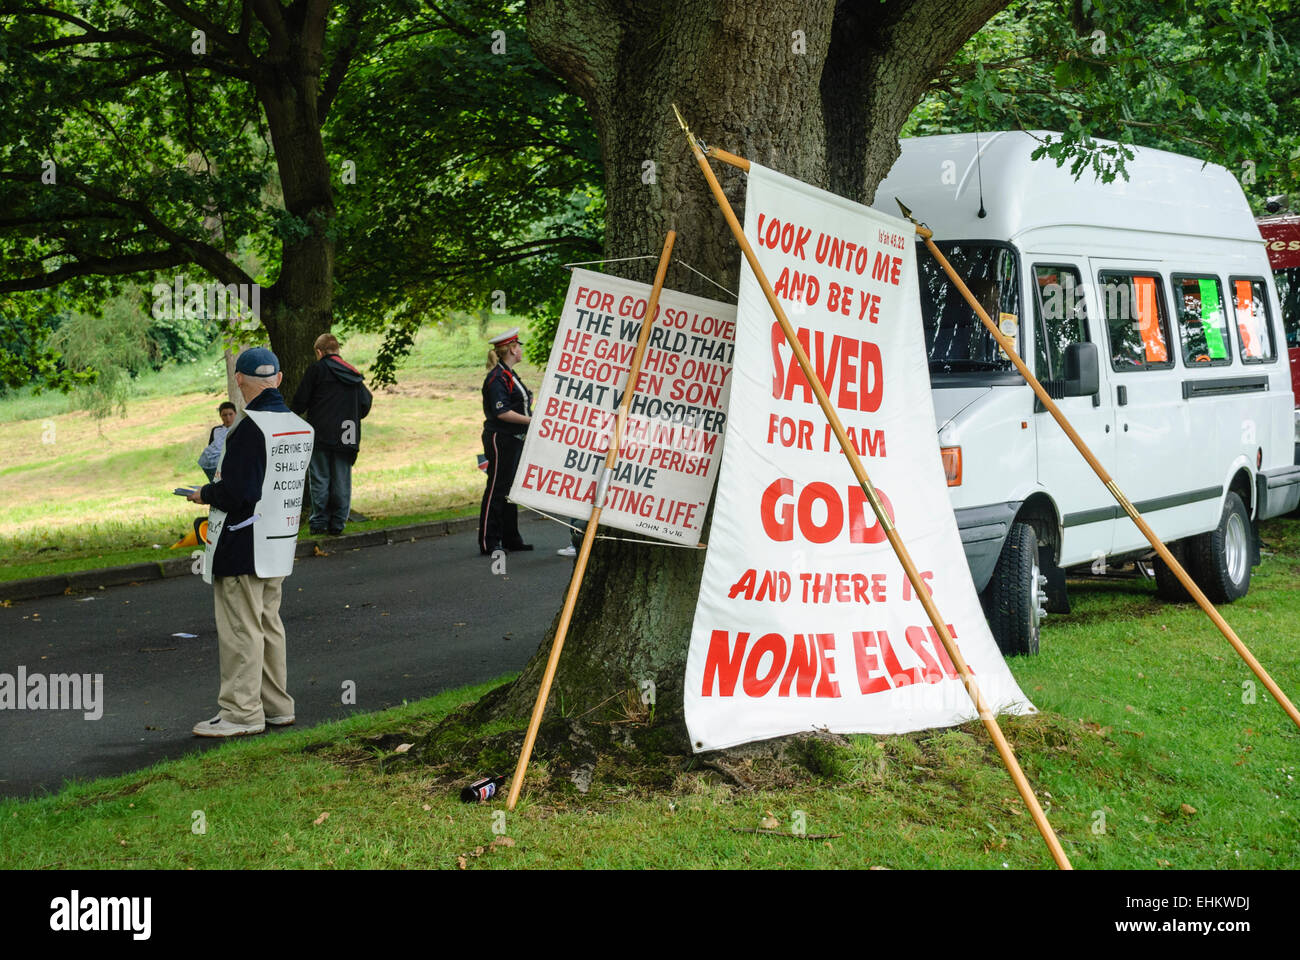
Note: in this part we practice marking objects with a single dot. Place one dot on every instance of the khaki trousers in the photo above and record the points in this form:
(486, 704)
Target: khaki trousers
(250, 638)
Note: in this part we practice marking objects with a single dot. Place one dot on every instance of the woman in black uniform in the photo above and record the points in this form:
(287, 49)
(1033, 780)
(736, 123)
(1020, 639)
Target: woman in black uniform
(507, 411)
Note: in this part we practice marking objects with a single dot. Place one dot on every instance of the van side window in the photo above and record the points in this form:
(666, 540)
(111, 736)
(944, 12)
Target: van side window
(1202, 321)
(1254, 326)
(1061, 313)
(1136, 320)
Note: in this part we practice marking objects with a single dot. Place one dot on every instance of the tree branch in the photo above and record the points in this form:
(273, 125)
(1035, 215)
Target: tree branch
(54, 14)
(455, 25)
(313, 17)
(201, 254)
(245, 22)
(271, 14)
(447, 269)
(579, 41)
(392, 38)
(343, 55)
(230, 41)
(31, 221)
(506, 255)
(167, 55)
(99, 266)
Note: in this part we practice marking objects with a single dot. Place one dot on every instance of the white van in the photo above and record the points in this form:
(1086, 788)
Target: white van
(1148, 310)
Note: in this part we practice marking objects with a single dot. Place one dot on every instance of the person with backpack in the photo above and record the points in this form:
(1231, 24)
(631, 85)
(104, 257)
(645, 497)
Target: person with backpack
(334, 399)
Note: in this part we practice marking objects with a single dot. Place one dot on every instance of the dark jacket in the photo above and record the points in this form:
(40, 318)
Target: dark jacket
(503, 391)
(240, 487)
(333, 393)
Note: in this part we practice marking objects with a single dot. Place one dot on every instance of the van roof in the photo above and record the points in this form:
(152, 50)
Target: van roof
(938, 179)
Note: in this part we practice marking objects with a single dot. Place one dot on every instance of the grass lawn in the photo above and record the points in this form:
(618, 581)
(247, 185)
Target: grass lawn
(1154, 747)
(1151, 751)
(76, 494)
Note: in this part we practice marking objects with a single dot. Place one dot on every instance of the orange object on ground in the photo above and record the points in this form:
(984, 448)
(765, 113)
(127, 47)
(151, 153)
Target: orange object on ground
(197, 537)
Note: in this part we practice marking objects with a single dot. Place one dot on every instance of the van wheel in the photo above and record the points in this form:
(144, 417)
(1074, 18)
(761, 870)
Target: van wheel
(1168, 586)
(1014, 599)
(1222, 556)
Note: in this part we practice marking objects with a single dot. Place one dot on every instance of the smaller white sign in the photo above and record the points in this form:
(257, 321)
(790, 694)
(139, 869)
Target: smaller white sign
(668, 459)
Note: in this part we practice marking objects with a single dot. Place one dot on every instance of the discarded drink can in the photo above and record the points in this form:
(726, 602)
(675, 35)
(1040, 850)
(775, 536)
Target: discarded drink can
(480, 791)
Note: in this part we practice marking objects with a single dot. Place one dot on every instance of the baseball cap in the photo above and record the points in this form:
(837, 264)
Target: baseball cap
(257, 362)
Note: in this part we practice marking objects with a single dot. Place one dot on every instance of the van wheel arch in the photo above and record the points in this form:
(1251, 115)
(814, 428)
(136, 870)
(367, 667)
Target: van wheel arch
(1243, 485)
(1040, 512)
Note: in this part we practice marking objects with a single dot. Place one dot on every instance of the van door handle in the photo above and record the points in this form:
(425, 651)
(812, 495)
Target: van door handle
(1121, 396)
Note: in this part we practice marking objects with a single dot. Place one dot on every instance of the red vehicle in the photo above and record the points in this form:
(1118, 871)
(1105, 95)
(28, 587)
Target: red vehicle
(1282, 237)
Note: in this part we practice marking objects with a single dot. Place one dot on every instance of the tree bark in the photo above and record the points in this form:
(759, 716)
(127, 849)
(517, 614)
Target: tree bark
(230, 353)
(817, 91)
(299, 306)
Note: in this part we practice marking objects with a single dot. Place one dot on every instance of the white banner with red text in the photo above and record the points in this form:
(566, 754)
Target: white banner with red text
(805, 619)
(672, 443)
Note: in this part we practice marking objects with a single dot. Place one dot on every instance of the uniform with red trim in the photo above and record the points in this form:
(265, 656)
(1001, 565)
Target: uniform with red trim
(502, 390)
(503, 443)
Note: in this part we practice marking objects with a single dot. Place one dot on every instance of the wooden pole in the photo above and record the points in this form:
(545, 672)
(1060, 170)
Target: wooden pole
(918, 586)
(1161, 550)
(589, 535)
(730, 158)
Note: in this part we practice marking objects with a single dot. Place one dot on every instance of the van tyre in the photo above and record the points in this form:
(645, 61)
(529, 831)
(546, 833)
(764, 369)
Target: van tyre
(1222, 557)
(1014, 598)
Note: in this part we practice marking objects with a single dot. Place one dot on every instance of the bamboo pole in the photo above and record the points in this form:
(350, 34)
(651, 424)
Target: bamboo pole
(1161, 550)
(589, 535)
(918, 586)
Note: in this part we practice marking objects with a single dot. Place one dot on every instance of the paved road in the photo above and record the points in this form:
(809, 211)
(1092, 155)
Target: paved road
(402, 622)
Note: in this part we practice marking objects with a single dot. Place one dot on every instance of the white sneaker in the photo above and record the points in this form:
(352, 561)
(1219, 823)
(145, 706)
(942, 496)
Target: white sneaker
(281, 721)
(216, 727)
(569, 551)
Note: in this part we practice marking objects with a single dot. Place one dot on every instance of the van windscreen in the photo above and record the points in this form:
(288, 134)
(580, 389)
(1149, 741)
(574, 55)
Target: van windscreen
(955, 339)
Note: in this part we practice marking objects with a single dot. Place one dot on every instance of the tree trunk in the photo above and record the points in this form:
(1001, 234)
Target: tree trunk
(299, 306)
(816, 91)
(230, 351)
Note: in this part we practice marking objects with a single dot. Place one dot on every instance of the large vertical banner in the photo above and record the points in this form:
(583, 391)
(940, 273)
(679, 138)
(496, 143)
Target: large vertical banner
(805, 618)
(672, 443)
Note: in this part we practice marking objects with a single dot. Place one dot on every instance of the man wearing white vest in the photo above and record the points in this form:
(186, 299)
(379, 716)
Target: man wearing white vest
(252, 532)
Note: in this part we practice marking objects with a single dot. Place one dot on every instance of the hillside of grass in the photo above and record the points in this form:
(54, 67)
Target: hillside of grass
(77, 493)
